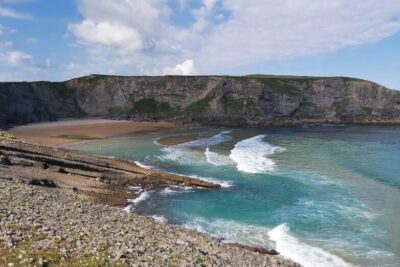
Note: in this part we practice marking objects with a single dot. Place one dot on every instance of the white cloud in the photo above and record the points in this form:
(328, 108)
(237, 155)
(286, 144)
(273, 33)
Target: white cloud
(47, 63)
(125, 25)
(184, 68)
(140, 35)
(14, 58)
(11, 13)
(209, 4)
(271, 30)
(124, 38)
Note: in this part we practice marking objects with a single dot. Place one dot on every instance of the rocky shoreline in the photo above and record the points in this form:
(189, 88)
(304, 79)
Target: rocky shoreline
(100, 179)
(56, 210)
(45, 226)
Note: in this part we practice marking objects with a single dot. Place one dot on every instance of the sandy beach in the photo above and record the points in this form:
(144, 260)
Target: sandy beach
(65, 132)
(176, 139)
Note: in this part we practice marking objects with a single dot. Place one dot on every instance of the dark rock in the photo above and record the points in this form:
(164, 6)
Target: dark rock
(42, 182)
(4, 160)
(5, 177)
(255, 249)
(21, 162)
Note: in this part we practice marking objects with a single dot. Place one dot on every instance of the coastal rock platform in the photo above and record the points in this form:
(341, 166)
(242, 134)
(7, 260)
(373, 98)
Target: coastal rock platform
(59, 208)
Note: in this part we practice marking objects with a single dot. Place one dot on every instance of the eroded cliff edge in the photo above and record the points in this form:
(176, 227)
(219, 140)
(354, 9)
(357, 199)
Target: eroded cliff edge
(221, 100)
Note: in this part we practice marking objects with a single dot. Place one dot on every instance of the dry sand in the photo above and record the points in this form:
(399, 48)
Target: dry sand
(65, 132)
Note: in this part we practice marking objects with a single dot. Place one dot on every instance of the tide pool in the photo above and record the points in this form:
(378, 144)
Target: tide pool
(322, 196)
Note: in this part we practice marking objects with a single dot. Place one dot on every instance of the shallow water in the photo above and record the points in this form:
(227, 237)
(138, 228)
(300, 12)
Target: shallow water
(324, 196)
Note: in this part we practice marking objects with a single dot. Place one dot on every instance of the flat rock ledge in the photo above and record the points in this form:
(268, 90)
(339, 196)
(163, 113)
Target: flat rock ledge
(97, 178)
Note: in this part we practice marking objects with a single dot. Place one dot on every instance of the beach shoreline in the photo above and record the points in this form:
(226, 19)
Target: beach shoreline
(59, 133)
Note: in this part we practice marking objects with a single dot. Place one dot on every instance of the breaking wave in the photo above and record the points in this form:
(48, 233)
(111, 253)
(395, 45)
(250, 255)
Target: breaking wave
(133, 202)
(296, 250)
(143, 196)
(251, 154)
(277, 238)
(216, 159)
(193, 151)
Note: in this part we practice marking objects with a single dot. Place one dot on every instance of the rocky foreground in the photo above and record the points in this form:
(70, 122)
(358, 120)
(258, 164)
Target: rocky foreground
(53, 212)
(43, 226)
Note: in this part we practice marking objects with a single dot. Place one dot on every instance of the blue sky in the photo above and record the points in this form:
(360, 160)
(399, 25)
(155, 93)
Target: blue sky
(58, 40)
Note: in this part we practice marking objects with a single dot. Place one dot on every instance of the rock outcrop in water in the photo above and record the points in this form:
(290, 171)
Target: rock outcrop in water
(221, 100)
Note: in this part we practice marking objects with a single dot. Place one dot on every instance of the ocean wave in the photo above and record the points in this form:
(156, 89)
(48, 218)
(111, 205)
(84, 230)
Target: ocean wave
(222, 137)
(277, 238)
(216, 159)
(292, 248)
(176, 189)
(142, 165)
(251, 154)
(192, 152)
(143, 196)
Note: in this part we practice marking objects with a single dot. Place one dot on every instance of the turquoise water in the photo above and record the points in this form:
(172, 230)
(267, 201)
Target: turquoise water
(323, 196)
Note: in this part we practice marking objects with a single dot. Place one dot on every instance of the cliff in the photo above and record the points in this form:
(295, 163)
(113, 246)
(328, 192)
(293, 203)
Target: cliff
(221, 100)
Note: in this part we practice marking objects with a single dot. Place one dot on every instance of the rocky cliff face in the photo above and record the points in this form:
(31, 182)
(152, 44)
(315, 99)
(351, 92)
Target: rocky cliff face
(254, 100)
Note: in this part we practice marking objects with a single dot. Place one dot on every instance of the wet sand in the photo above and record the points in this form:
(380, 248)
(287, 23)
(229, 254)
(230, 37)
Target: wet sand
(176, 139)
(65, 132)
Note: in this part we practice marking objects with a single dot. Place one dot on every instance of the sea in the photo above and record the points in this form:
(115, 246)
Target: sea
(321, 196)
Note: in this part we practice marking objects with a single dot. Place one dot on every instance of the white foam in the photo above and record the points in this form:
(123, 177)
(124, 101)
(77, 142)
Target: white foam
(216, 159)
(211, 141)
(135, 188)
(143, 196)
(223, 184)
(128, 208)
(251, 154)
(175, 190)
(142, 165)
(308, 256)
(168, 191)
(190, 152)
(159, 218)
(278, 238)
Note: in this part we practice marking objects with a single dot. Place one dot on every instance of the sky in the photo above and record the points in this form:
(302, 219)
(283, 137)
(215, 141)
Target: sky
(62, 39)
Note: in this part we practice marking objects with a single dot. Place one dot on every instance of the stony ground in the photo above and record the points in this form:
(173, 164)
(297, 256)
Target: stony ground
(48, 227)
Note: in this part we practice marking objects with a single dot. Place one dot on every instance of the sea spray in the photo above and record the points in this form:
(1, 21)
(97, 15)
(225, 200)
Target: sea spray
(251, 154)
